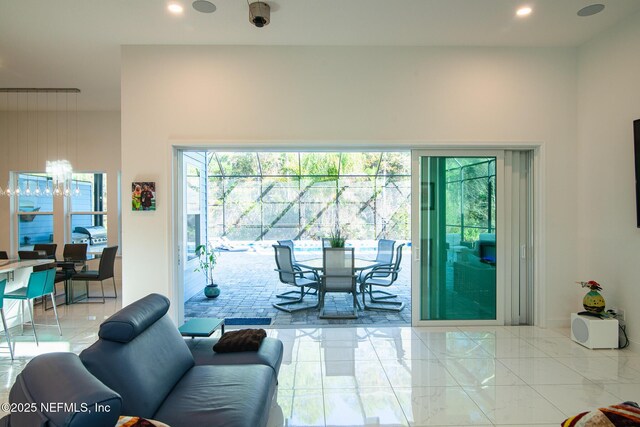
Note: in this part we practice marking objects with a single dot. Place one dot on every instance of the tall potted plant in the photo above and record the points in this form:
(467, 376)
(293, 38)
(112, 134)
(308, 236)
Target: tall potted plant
(206, 262)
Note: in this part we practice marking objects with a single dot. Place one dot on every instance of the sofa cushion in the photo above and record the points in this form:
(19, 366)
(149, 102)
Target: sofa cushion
(241, 340)
(144, 370)
(238, 396)
(269, 354)
(133, 319)
(60, 378)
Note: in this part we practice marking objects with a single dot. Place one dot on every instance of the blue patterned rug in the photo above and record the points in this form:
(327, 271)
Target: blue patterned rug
(247, 321)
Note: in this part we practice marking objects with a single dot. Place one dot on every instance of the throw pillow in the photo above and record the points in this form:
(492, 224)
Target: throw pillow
(242, 340)
(125, 421)
(624, 414)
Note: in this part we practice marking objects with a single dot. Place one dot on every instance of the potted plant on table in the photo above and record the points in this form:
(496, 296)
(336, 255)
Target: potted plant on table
(206, 263)
(337, 239)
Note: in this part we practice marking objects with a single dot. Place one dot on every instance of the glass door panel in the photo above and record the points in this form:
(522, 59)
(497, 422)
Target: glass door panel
(194, 219)
(457, 231)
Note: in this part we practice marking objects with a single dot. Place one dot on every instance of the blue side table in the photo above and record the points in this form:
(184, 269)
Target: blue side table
(201, 328)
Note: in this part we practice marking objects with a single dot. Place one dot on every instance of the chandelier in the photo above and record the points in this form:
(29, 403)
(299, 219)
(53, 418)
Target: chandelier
(58, 169)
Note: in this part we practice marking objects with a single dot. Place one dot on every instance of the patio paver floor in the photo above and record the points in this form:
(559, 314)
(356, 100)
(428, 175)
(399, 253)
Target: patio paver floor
(249, 285)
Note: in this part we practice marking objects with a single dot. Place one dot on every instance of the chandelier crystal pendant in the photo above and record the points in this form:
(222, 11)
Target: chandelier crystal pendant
(60, 172)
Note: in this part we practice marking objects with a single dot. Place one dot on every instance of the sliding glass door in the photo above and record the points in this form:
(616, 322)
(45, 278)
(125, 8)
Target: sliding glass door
(194, 219)
(457, 237)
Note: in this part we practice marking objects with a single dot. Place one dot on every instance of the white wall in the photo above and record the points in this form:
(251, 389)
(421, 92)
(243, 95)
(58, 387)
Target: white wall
(44, 137)
(608, 102)
(328, 95)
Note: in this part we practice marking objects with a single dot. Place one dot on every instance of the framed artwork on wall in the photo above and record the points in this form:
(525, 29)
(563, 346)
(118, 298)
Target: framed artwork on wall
(143, 196)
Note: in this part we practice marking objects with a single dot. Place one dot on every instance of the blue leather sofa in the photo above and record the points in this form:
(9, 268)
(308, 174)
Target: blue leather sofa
(141, 366)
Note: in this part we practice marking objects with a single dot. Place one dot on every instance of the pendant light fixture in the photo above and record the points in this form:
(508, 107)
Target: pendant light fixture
(59, 169)
(16, 188)
(6, 135)
(27, 191)
(48, 190)
(76, 192)
(37, 191)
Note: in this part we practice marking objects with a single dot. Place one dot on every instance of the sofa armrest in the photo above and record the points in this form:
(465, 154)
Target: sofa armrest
(58, 390)
(269, 354)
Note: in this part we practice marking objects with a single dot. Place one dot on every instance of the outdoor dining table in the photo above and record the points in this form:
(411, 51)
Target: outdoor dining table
(317, 264)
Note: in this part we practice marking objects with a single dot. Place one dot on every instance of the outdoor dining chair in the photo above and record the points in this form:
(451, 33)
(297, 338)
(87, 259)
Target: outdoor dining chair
(310, 276)
(384, 254)
(382, 276)
(289, 275)
(339, 276)
(289, 244)
(384, 257)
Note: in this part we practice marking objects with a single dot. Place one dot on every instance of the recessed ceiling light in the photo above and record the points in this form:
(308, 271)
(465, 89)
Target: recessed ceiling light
(591, 9)
(204, 6)
(524, 11)
(175, 8)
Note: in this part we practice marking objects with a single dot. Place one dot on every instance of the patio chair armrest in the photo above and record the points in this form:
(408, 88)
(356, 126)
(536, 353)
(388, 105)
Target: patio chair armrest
(295, 272)
(384, 270)
(385, 265)
(377, 272)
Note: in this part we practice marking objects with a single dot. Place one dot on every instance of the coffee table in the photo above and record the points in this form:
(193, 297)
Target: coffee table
(201, 328)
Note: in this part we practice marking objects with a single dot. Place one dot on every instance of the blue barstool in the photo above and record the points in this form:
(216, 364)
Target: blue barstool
(3, 284)
(40, 284)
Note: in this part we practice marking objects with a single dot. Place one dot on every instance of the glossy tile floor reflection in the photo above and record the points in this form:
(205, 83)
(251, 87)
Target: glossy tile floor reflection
(397, 376)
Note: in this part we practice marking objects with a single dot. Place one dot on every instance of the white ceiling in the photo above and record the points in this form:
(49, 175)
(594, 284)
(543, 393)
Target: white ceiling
(76, 43)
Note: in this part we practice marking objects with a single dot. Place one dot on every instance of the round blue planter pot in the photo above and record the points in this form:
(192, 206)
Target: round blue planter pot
(212, 291)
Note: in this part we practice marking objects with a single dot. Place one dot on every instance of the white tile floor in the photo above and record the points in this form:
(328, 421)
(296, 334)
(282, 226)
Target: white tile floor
(397, 376)
(445, 376)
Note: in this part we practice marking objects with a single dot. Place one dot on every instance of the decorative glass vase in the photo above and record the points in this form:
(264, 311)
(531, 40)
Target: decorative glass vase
(593, 302)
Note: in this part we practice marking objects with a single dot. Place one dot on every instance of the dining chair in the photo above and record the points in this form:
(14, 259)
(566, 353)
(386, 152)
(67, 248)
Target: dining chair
(48, 248)
(105, 271)
(76, 252)
(7, 334)
(338, 276)
(40, 284)
(382, 276)
(32, 255)
(4, 255)
(289, 275)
